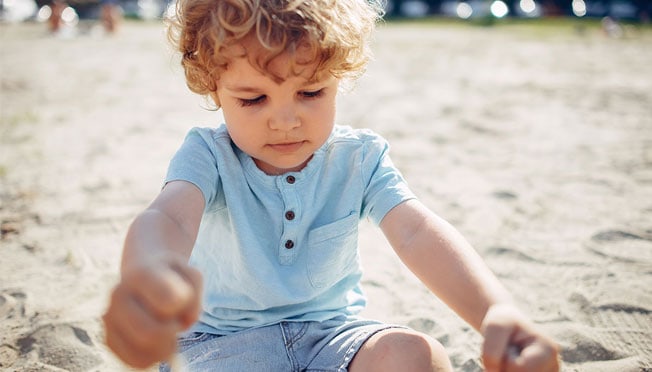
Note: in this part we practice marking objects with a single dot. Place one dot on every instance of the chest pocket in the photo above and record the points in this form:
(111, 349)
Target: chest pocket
(333, 251)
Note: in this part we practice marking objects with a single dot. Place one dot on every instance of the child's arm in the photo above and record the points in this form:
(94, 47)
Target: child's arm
(158, 294)
(446, 263)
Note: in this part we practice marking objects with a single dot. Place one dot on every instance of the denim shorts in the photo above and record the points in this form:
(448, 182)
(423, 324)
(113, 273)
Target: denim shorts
(283, 347)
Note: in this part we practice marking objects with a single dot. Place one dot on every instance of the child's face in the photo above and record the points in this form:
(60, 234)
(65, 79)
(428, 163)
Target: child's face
(279, 124)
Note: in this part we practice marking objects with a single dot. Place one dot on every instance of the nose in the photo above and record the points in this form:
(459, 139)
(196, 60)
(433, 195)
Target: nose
(284, 118)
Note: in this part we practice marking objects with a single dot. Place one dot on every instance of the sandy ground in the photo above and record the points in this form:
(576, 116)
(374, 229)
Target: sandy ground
(535, 142)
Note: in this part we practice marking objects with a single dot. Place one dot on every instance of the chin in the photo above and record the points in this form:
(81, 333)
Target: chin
(278, 168)
(291, 167)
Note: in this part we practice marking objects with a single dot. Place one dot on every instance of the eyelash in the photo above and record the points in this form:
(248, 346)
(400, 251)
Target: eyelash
(313, 94)
(260, 99)
(253, 101)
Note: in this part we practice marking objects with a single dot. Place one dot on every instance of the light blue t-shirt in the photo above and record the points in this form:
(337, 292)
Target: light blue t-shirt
(277, 248)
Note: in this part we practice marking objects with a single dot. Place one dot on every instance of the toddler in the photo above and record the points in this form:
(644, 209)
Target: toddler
(247, 260)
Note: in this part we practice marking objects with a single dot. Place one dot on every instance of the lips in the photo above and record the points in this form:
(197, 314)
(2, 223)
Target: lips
(287, 147)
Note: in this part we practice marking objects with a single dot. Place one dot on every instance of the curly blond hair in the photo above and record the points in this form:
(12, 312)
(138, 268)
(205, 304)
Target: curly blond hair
(335, 32)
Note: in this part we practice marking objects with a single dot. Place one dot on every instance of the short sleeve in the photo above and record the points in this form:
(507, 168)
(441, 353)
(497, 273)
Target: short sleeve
(385, 187)
(195, 162)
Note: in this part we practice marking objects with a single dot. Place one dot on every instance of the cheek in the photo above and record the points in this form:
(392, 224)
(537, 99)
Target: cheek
(328, 111)
(244, 139)
(240, 130)
(234, 116)
(324, 108)
(237, 128)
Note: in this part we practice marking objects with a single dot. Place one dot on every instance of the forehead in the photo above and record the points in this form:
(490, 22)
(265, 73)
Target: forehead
(249, 54)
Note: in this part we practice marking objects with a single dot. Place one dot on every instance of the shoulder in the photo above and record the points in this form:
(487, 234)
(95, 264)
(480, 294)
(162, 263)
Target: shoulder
(203, 149)
(347, 133)
(362, 139)
(214, 141)
(209, 135)
(362, 149)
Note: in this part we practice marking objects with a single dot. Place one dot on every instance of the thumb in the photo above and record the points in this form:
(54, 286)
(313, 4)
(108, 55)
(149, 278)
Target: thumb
(498, 329)
(190, 312)
(495, 347)
(537, 354)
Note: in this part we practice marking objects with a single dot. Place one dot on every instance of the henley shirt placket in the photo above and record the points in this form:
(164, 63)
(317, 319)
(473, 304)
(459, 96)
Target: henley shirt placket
(288, 244)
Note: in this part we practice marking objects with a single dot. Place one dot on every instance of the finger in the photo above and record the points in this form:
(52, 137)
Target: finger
(190, 314)
(494, 347)
(132, 354)
(127, 352)
(144, 329)
(134, 334)
(163, 290)
(540, 355)
(498, 329)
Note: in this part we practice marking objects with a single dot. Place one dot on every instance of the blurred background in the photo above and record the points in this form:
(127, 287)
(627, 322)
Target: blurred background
(619, 9)
(68, 13)
(39, 10)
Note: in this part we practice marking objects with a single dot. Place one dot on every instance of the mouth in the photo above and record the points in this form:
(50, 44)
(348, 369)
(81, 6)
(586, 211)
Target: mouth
(287, 147)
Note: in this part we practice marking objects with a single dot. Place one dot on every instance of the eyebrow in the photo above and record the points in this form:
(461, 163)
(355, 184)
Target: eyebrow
(250, 89)
(242, 89)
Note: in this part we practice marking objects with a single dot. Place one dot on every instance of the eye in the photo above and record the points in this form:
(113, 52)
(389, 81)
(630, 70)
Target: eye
(252, 101)
(312, 94)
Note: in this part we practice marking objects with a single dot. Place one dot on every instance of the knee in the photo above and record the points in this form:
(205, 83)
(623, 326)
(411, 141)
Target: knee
(399, 349)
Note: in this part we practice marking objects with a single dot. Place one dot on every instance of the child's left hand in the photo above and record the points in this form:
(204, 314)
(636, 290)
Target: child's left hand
(512, 343)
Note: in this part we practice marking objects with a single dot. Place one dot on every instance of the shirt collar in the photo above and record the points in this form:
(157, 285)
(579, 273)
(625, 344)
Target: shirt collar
(310, 169)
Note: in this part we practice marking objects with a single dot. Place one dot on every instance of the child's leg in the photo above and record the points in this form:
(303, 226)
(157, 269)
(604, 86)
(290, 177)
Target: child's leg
(399, 349)
(57, 7)
(259, 349)
(110, 15)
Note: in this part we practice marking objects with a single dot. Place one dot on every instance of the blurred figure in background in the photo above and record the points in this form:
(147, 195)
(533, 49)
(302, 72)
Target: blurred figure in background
(56, 11)
(110, 15)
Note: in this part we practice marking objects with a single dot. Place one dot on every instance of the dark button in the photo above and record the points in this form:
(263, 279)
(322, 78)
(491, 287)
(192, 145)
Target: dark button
(290, 179)
(289, 215)
(289, 244)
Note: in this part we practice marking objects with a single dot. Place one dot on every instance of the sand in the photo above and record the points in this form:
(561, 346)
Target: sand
(536, 142)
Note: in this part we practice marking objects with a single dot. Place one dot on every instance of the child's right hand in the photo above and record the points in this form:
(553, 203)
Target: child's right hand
(512, 343)
(151, 304)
